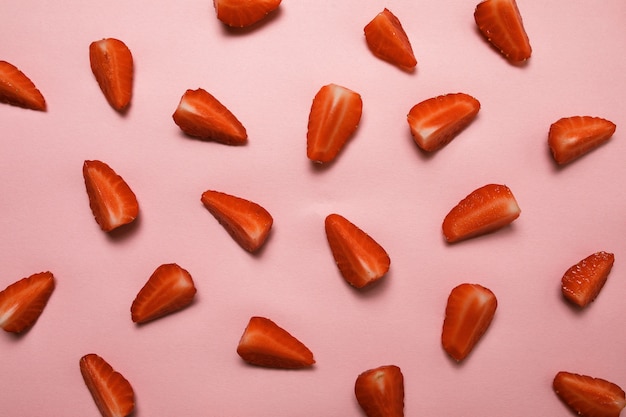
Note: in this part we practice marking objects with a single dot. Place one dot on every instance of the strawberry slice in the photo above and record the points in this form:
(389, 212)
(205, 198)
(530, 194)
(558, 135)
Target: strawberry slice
(18, 90)
(242, 13)
(248, 223)
(582, 282)
(572, 137)
(588, 396)
(360, 259)
(380, 391)
(112, 65)
(201, 115)
(438, 120)
(169, 289)
(388, 41)
(264, 343)
(112, 201)
(501, 24)
(335, 115)
(22, 302)
(111, 392)
(469, 312)
(484, 210)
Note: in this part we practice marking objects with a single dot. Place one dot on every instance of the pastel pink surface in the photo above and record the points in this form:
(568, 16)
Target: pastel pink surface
(186, 363)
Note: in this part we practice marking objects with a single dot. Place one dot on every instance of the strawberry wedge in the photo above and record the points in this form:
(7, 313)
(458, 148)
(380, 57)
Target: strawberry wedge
(112, 65)
(22, 302)
(112, 393)
(570, 138)
(18, 90)
(243, 13)
(387, 40)
(582, 282)
(380, 391)
(588, 396)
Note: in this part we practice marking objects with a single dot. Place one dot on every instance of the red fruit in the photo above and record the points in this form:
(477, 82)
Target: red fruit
(380, 391)
(582, 283)
(588, 396)
(112, 201)
(18, 90)
(501, 23)
(264, 343)
(22, 302)
(335, 115)
(169, 289)
(201, 115)
(111, 392)
(241, 13)
(484, 210)
(112, 64)
(572, 137)
(360, 259)
(469, 312)
(438, 120)
(388, 41)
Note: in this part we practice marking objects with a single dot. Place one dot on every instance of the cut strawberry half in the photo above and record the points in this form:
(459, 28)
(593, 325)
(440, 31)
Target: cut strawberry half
(242, 13)
(469, 312)
(247, 222)
(264, 343)
(360, 259)
(18, 90)
(582, 282)
(112, 65)
(334, 117)
(202, 116)
(22, 302)
(484, 210)
(572, 137)
(380, 391)
(588, 396)
(438, 120)
(501, 24)
(111, 392)
(388, 41)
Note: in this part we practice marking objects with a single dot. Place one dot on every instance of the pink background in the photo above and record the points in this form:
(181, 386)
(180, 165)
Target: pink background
(186, 364)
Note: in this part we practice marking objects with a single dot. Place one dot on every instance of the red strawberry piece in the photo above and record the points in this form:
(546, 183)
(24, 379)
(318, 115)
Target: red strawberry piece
(572, 137)
(469, 312)
(22, 302)
(18, 90)
(170, 288)
(438, 120)
(264, 343)
(360, 259)
(501, 24)
(335, 115)
(111, 392)
(112, 201)
(582, 282)
(242, 13)
(588, 396)
(112, 65)
(248, 223)
(380, 391)
(484, 210)
(388, 41)
(201, 115)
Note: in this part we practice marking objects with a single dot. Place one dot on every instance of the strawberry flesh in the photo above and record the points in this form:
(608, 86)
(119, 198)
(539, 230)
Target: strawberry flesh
(22, 302)
(388, 41)
(112, 65)
(18, 90)
(582, 282)
(588, 396)
(243, 13)
(380, 391)
(111, 392)
(572, 137)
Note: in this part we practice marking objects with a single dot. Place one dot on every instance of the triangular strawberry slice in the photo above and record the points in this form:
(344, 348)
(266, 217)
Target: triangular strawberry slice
(582, 282)
(18, 90)
(572, 137)
(380, 391)
(588, 396)
(111, 392)
(264, 343)
(170, 288)
(242, 13)
(388, 41)
(22, 302)
(112, 65)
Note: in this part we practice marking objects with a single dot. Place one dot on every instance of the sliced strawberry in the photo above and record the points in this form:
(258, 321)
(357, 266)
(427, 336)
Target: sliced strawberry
(111, 392)
(201, 115)
(484, 210)
(242, 13)
(582, 282)
(112, 64)
(572, 137)
(360, 259)
(112, 201)
(469, 312)
(248, 223)
(18, 90)
(264, 343)
(380, 391)
(388, 41)
(438, 120)
(22, 302)
(588, 396)
(501, 24)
